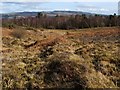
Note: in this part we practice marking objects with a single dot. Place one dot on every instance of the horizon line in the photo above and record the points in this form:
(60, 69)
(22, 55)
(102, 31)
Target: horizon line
(57, 10)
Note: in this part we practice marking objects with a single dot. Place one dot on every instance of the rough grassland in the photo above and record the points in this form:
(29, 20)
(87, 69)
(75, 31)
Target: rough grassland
(88, 58)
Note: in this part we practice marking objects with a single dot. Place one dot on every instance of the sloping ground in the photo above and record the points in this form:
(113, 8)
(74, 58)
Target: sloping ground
(61, 58)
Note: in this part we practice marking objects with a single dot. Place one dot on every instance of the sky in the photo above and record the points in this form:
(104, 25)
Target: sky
(108, 7)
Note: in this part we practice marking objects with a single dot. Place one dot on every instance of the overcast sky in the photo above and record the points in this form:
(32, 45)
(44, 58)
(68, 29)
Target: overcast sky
(102, 7)
(59, 0)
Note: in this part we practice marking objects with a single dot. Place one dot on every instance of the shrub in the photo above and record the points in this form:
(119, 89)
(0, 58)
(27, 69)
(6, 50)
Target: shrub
(8, 25)
(61, 71)
(18, 33)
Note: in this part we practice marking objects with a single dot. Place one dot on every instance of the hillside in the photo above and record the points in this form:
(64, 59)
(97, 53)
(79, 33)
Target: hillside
(49, 13)
(49, 58)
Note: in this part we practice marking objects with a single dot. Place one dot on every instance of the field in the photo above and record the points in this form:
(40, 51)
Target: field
(40, 58)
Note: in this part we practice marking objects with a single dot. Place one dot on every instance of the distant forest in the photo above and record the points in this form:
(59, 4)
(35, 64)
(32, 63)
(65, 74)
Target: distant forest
(63, 22)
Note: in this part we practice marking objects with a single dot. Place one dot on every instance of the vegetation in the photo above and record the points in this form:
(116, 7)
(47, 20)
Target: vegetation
(18, 33)
(38, 55)
(65, 22)
(64, 59)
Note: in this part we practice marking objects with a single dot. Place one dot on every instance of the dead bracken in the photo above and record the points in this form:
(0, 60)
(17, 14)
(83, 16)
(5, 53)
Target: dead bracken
(78, 59)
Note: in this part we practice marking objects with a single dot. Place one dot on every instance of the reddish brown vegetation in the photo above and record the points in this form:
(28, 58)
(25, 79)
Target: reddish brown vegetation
(62, 58)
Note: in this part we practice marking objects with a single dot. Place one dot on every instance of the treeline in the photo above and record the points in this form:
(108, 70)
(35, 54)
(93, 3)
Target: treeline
(64, 22)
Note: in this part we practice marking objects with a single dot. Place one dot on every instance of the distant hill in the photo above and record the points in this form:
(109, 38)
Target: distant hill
(49, 13)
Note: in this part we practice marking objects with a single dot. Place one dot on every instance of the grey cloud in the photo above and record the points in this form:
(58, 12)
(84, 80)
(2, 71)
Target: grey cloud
(22, 6)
